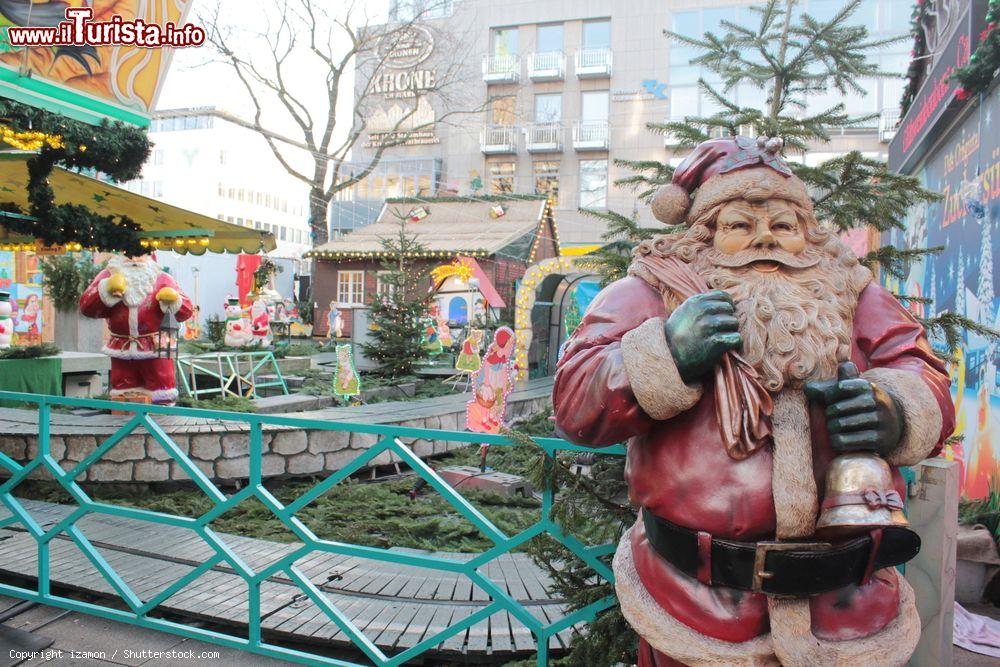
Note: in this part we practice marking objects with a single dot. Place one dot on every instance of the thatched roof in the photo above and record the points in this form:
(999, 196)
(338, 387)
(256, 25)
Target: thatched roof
(451, 226)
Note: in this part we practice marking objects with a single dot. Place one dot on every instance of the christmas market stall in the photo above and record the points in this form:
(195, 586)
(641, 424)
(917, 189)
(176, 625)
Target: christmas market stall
(472, 251)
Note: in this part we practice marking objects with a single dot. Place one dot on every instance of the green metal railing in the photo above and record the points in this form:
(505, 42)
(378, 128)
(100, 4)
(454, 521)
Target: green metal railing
(391, 438)
(236, 374)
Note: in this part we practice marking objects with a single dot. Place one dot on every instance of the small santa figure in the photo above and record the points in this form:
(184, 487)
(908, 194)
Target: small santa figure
(6, 321)
(260, 322)
(134, 294)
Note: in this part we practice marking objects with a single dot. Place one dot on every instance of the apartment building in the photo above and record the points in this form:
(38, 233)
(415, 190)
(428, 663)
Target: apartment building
(567, 88)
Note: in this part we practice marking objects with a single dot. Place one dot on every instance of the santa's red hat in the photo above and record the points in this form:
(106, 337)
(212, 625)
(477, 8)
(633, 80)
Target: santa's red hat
(720, 170)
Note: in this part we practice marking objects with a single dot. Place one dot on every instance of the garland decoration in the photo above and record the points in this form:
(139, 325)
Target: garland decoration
(918, 57)
(115, 149)
(29, 141)
(984, 62)
(262, 276)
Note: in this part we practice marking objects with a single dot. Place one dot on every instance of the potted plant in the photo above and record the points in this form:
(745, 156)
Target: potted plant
(65, 277)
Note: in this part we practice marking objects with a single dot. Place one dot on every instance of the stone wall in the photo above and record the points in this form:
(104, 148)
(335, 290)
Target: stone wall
(224, 455)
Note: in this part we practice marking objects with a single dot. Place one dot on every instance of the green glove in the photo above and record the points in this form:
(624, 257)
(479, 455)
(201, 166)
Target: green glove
(700, 331)
(860, 416)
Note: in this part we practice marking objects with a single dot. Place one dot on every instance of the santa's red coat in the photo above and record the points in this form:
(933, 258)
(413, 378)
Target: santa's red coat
(678, 467)
(133, 328)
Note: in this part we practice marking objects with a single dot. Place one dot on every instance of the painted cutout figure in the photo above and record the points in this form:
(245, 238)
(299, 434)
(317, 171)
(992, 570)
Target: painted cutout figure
(134, 295)
(335, 322)
(431, 342)
(346, 381)
(468, 359)
(192, 328)
(443, 330)
(491, 385)
(6, 321)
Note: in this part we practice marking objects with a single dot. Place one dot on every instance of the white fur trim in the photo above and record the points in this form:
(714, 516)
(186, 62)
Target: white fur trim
(107, 298)
(164, 395)
(796, 500)
(671, 637)
(922, 418)
(134, 355)
(651, 371)
(790, 639)
(171, 308)
(796, 646)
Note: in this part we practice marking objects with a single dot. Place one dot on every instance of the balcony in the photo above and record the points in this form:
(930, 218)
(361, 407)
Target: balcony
(501, 69)
(498, 139)
(591, 135)
(545, 138)
(549, 66)
(593, 63)
(888, 123)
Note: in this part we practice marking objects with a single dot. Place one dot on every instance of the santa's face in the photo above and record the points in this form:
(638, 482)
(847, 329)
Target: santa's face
(765, 234)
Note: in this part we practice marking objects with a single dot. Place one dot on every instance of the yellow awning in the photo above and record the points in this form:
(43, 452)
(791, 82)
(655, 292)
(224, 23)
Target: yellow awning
(164, 226)
(577, 251)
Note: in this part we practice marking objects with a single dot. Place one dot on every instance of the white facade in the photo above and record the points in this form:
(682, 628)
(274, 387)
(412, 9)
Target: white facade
(204, 163)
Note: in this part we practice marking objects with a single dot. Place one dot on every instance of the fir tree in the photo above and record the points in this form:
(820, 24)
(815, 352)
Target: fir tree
(395, 314)
(790, 59)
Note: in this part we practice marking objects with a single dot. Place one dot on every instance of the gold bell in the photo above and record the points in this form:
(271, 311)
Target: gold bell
(859, 496)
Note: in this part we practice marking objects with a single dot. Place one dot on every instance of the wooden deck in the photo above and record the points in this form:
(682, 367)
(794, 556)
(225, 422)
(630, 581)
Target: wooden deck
(395, 606)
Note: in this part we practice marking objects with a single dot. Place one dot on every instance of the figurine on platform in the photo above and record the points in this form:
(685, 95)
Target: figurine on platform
(335, 322)
(346, 381)
(6, 321)
(491, 385)
(468, 359)
(192, 328)
(741, 357)
(134, 294)
(260, 322)
(238, 332)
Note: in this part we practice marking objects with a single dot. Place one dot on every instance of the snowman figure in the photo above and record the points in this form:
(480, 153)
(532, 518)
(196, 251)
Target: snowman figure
(6, 322)
(238, 332)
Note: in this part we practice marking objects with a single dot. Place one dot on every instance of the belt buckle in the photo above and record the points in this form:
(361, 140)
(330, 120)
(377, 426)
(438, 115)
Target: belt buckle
(761, 549)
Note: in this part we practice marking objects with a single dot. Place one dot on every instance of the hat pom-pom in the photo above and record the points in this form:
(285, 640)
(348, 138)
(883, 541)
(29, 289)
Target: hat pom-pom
(670, 204)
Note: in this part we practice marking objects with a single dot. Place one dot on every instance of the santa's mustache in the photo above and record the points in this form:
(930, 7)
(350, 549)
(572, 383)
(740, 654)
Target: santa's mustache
(806, 259)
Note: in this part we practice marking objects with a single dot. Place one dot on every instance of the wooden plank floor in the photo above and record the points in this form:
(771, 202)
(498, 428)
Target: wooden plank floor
(395, 606)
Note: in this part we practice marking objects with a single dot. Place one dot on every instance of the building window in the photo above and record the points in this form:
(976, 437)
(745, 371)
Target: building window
(502, 110)
(597, 34)
(594, 184)
(594, 106)
(547, 179)
(409, 10)
(502, 177)
(505, 42)
(282, 232)
(158, 156)
(351, 288)
(549, 38)
(548, 108)
(383, 287)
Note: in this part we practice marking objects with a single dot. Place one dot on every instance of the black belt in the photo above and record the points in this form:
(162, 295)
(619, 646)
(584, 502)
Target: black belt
(787, 569)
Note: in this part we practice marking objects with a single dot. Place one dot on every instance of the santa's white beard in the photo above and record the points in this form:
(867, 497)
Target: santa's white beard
(796, 324)
(140, 280)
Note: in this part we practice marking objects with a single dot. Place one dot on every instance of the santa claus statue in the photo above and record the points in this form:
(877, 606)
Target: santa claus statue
(739, 358)
(134, 295)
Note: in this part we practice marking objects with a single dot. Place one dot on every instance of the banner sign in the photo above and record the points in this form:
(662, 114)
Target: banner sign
(936, 101)
(91, 59)
(964, 279)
